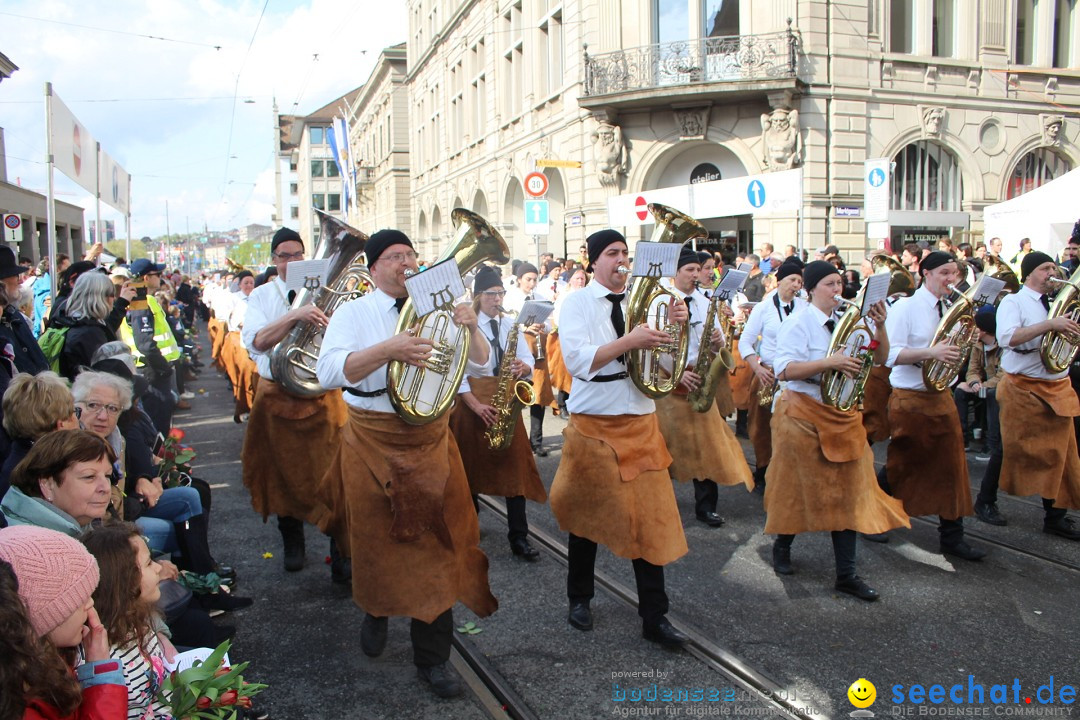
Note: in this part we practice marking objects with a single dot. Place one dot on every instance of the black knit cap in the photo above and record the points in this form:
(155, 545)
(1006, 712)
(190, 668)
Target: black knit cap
(935, 260)
(526, 267)
(702, 256)
(381, 240)
(986, 319)
(1031, 261)
(600, 240)
(487, 277)
(817, 271)
(285, 235)
(791, 266)
(688, 256)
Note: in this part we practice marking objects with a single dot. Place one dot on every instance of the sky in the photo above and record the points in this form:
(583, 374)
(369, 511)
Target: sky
(191, 123)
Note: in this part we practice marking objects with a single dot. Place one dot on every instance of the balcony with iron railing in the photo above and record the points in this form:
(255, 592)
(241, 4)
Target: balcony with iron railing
(729, 67)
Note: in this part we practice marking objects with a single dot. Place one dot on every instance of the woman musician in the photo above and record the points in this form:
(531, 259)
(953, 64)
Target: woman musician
(821, 476)
(511, 472)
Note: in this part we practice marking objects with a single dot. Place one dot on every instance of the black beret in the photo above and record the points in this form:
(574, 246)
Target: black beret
(1031, 261)
(381, 240)
(486, 277)
(600, 240)
(791, 266)
(245, 273)
(285, 235)
(936, 259)
(817, 271)
(687, 256)
(526, 267)
(703, 257)
(986, 319)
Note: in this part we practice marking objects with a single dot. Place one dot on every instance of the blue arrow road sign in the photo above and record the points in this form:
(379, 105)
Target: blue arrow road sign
(536, 217)
(755, 192)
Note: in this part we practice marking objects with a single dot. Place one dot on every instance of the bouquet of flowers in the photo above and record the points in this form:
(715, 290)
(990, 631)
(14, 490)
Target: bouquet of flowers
(175, 468)
(209, 690)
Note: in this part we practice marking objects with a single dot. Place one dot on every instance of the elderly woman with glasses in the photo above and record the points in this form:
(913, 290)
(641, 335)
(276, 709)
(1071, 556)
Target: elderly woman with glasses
(86, 319)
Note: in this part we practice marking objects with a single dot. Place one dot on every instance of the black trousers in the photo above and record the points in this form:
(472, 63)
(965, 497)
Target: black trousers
(988, 489)
(652, 598)
(705, 496)
(536, 423)
(431, 641)
(515, 515)
(950, 531)
(843, 545)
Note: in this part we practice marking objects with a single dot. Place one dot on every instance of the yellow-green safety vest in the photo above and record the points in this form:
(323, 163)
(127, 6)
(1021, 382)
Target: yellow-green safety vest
(163, 334)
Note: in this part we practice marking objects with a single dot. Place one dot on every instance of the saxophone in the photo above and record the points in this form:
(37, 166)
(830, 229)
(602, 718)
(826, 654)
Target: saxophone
(710, 366)
(510, 396)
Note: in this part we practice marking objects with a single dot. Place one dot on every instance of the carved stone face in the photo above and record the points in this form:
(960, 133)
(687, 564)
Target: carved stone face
(932, 121)
(607, 135)
(1053, 129)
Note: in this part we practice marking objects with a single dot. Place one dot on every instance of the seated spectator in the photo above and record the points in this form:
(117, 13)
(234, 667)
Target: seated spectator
(47, 612)
(33, 406)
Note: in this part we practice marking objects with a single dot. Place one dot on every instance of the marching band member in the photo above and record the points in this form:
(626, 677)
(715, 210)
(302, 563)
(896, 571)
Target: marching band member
(875, 404)
(510, 473)
(612, 485)
(702, 445)
(289, 439)
(398, 493)
(764, 323)
(822, 472)
(707, 278)
(926, 466)
(1036, 405)
(560, 378)
(536, 336)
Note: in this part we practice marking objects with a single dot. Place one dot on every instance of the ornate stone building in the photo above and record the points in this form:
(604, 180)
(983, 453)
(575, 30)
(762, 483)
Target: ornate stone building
(974, 101)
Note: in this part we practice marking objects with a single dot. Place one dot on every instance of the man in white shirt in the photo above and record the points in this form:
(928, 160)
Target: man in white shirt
(398, 496)
(926, 465)
(702, 446)
(536, 336)
(612, 486)
(1037, 406)
(757, 345)
(289, 439)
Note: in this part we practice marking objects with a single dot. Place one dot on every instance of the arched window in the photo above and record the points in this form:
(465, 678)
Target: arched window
(1036, 168)
(927, 178)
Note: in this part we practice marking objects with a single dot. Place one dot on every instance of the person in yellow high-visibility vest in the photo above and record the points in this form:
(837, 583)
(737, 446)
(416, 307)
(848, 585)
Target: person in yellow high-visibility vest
(147, 332)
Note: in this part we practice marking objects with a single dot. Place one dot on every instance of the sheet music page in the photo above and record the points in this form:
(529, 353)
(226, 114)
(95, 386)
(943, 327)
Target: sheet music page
(987, 290)
(656, 260)
(877, 289)
(310, 274)
(731, 284)
(188, 658)
(438, 286)
(745, 267)
(535, 312)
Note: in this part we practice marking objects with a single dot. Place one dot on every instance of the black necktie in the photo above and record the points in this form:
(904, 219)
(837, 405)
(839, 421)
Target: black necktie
(689, 308)
(940, 308)
(400, 303)
(789, 308)
(1045, 302)
(292, 296)
(830, 325)
(617, 320)
(528, 298)
(495, 343)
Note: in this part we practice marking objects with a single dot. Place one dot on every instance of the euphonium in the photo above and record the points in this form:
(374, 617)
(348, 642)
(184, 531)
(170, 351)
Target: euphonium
(1058, 349)
(709, 364)
(510, 395)
(422, 394)
(234, 267)
(292, 361)
(648, 304)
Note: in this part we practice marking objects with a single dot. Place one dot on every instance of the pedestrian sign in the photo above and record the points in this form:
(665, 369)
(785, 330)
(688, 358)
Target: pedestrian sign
(536, 217)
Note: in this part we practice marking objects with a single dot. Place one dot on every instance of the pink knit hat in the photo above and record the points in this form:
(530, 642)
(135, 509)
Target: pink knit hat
(56, 573)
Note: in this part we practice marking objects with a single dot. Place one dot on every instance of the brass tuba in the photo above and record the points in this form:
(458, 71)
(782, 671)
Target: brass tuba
(292, 361)
(510, 394)
(234, 267)
(1058, 349)
(648, 304)
(853, 336)
(957, 327)
(422, 394)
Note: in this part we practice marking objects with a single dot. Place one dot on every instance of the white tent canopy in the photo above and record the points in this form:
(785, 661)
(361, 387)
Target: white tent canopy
(1046, 215)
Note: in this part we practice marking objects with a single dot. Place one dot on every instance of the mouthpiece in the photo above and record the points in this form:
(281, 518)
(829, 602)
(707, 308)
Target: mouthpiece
(409, 272)
(623, 270)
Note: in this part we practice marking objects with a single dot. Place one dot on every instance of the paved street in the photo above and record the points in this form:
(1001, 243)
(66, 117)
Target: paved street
(1010, 617)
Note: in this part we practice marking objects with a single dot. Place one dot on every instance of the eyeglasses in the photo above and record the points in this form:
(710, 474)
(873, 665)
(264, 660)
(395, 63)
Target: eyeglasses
(493, 293)
(95, 408)
(399, 257)
(290, 256)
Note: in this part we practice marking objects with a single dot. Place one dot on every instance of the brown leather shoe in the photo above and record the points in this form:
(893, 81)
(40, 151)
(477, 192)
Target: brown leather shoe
(183, 405)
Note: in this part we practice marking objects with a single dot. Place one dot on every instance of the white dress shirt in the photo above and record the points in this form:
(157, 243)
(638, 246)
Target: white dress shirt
(491, 368)
(912, 323)
(236, 317)
(585, 325)
(765, 321)
(1022, 309)
(698, 305)
(266, 304)
(802, 337)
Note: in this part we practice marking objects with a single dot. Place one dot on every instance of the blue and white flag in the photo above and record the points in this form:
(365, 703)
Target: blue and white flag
(339, 146)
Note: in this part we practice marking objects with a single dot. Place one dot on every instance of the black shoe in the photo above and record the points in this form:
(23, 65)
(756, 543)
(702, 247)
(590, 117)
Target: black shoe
(539, 451)
(854, 585)
(1062, 528)
(781, 559)
(223, 601)
(580, 616)
(711, 519)
(373, 635)
(990, 514)
(662, 632)
(963, 551)
(441, 678)
(522, 549)
(875, 537)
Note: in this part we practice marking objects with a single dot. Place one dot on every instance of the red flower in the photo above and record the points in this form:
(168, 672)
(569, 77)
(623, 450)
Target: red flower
(223, 670)
(203, 703)
(227, 698)
(244, 702)
(176, 434)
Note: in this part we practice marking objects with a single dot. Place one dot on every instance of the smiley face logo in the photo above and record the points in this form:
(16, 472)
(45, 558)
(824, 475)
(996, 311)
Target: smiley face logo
(862, 693)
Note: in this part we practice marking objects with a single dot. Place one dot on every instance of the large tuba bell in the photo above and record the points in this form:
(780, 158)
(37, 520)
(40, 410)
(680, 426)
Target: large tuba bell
(1058, 349)
(422, 394)
(657, 371)
(854, 337)
(957, 327)
(292, 361)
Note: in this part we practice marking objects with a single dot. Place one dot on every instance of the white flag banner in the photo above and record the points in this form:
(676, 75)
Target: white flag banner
(115, 183)
(73, 147)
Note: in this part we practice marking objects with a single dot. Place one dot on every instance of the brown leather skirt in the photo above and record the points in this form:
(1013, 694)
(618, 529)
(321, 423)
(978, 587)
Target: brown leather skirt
(702, 445)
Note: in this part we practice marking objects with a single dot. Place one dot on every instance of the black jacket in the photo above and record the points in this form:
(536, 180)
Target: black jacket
(15, 330)
(84, 337)
(139, 436)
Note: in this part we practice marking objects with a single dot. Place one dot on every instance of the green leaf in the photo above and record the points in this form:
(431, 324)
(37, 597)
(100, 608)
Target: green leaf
(475, 630)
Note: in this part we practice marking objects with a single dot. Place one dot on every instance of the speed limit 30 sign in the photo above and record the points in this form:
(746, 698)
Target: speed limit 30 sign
(536, 184)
